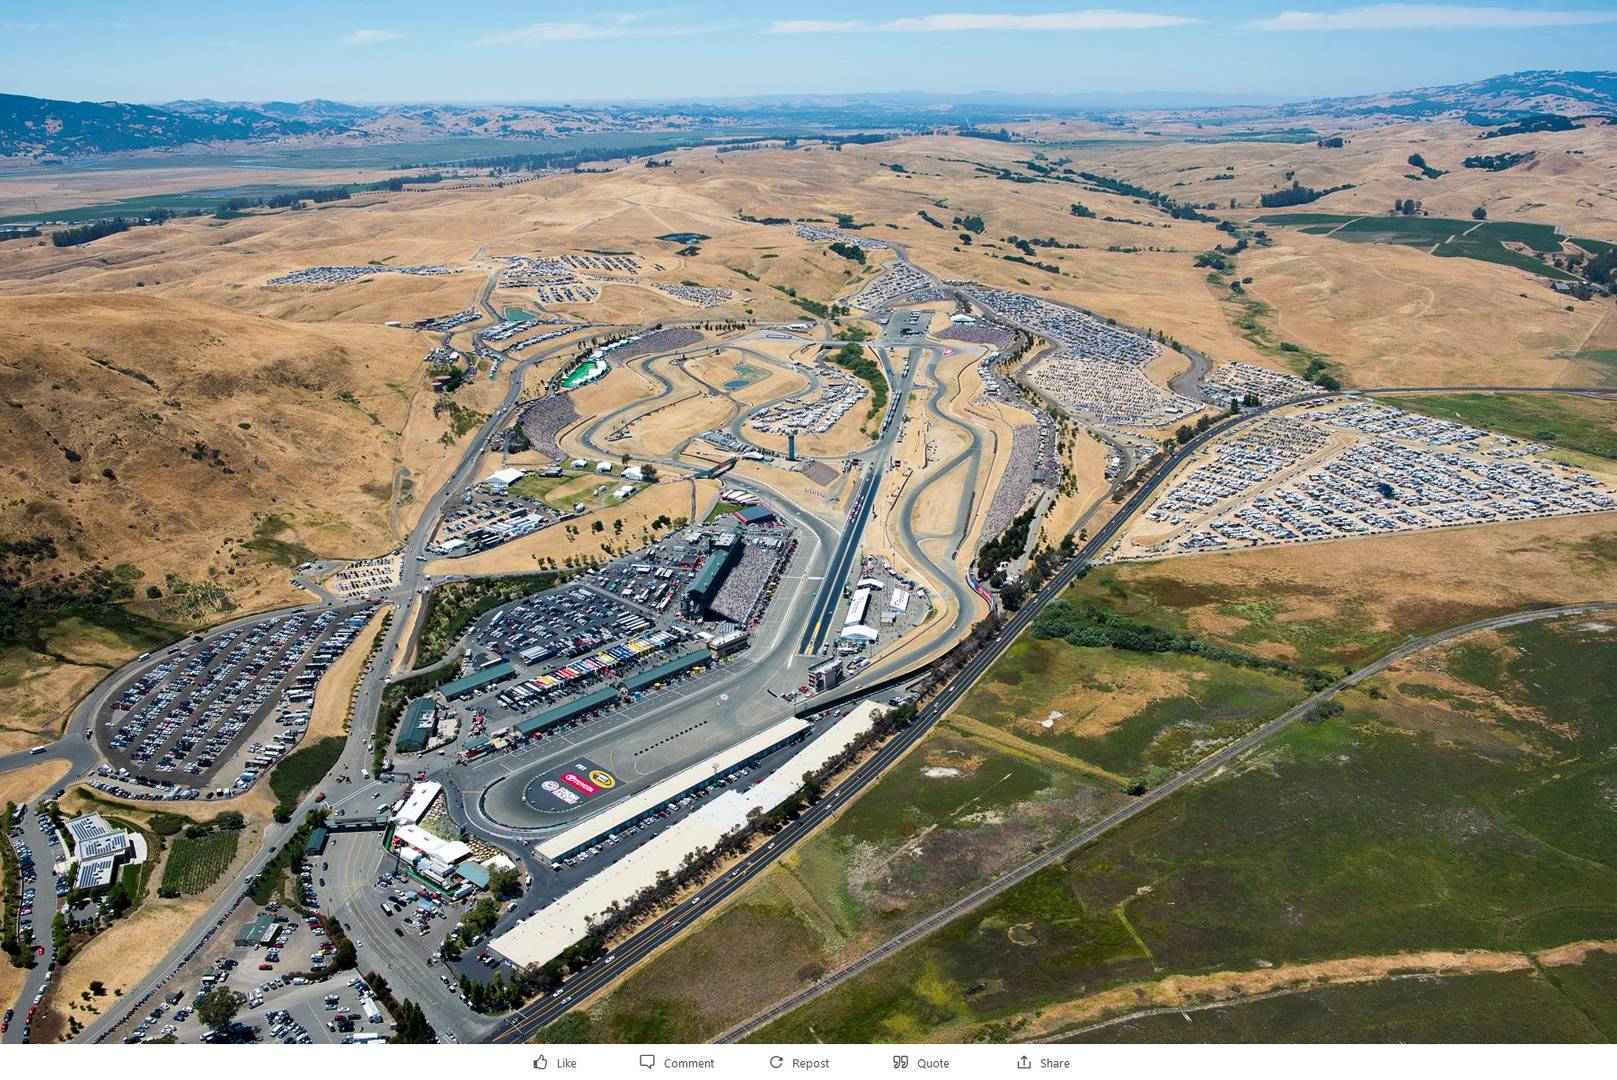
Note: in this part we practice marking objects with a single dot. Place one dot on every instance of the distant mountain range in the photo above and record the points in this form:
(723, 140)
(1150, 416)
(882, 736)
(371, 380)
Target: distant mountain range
(41, 128)
(38, 126)
(1568, 93)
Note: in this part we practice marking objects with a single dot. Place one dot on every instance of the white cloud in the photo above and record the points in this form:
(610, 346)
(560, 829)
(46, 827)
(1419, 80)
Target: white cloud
(371, 37)
(1091, 19)
(1430, 17)
(614, 26)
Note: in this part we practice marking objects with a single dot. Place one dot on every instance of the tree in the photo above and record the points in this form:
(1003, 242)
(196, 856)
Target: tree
(1480, 214)
(217, 1008)
(650, 473)
(504, 883)
(411, 1025)
(347, 957)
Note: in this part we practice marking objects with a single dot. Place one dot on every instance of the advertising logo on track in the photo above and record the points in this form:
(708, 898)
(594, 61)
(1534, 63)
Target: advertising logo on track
(574, 784)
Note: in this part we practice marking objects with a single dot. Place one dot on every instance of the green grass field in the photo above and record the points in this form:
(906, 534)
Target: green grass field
(1448, 237)
(1484, 249)
(302, 769)
(195, 864)
(1541, 238)
(1249, 617)
(1604, 359)
(1570, 422)
(1219, 702)
(1405, 824)
(1417, 231)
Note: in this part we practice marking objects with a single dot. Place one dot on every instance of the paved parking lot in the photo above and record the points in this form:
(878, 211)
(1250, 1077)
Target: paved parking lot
(1355, 468)
(38, 850)
(1097, 370)
(190, 725)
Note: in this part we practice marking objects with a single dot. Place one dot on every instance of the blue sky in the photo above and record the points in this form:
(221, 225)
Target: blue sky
(550, 52)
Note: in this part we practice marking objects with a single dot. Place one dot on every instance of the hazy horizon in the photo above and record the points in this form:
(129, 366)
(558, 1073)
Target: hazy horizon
(1264, 50)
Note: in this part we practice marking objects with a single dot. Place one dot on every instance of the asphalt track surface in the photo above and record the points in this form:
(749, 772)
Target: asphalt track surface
(875, 459)
(903, 518)
(825, 605)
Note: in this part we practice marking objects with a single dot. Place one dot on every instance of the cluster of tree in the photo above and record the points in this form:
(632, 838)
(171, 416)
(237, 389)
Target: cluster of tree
(1602, 269)
(852, 252)
(1048, 268)
(1332, 142)
(537, 161)
(1426, 170)
(1406, 207)
(1297, 195)
(261, 888)
(1186, 432)
(972, 223)
(1005, 547)
(1325, 710)
(654, 163)
(1041, 567)
(217, 1008)
(1317, 371)
(1089, 626)
(90, 232)
(930, 220)
(1496, 162)
(851, 358)
(12, 900)
(1528, 124)
(1078, 209)
(762, 220)
(1214, 260)
(409, 1022)
(999, 172)
(1162, 202)
(30, 601)
(1001, 135)
(335, 193)
(396, 183)
(18, 233)
(1027, 246)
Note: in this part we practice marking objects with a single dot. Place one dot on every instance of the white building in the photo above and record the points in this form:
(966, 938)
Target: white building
(501, 481)
(101, 850)
(547, 933)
